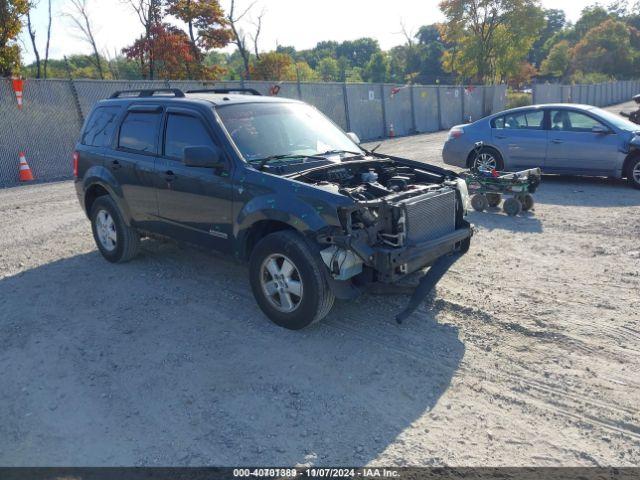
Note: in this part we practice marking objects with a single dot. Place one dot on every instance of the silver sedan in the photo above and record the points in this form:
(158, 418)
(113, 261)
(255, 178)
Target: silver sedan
(559, 138)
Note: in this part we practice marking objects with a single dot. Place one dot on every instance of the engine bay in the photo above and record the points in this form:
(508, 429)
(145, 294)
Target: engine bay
(369, 180)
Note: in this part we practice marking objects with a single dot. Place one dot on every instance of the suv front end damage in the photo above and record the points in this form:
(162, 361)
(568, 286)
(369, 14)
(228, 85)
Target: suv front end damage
(402, 219)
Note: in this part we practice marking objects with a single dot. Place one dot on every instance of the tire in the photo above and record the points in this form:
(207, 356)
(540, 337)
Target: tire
(512, 207)
(479, 202)
(527, 202)
(494, 199)
(117, 241)
(315, 299)
(633, 172)
(487, 155)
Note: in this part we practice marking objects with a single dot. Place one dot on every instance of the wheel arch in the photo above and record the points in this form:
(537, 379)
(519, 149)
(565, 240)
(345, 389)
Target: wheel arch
(628, 161)
(256, 232)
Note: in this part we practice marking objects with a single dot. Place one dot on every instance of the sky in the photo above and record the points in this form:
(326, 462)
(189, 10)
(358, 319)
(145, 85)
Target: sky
(300, 23)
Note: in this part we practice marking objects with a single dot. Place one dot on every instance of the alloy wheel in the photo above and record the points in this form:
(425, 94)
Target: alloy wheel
(106, 230)
(281, 283)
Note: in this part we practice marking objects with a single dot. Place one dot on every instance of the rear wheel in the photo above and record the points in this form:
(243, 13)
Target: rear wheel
(287, 281)
(117, 241)
(487, 160)
(494, 199)
(512, 207)
(527, 202)
(633, 175)
(479, 202)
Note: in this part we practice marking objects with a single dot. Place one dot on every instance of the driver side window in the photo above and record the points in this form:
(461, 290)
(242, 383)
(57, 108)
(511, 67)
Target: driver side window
(572, 121)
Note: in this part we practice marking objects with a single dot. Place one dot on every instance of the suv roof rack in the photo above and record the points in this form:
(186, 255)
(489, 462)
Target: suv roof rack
(141, 93)
(251, 91)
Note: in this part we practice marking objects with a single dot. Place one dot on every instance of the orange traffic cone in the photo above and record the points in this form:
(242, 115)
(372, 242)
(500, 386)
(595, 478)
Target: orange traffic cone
(18, 85)
(392, 132)
(25, 171)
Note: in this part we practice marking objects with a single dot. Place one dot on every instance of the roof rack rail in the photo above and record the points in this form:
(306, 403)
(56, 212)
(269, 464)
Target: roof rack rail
(143, 93)
(252, 91)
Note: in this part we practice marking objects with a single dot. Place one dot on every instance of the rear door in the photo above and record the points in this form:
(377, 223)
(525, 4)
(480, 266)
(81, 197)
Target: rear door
(194, 203)
(521, 138)
(575, 149)
(132, 160)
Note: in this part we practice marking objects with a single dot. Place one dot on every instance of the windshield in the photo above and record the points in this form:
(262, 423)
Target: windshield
(616, 120)
(293, 130)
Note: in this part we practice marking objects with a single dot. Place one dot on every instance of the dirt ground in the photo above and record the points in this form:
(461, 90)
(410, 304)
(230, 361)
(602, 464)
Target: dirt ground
(527, 354)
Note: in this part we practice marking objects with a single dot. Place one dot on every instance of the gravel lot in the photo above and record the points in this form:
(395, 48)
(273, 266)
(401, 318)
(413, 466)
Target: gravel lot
(527, 353)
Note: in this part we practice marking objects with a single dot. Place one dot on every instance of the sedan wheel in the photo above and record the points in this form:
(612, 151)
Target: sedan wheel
(486, 161)
(635, 174)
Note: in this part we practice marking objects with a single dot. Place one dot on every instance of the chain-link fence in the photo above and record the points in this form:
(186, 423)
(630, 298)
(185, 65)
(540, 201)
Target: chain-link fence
(47, 127)
(598, 94)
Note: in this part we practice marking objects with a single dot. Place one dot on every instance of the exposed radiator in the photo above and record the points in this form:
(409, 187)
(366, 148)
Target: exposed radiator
(430, 215)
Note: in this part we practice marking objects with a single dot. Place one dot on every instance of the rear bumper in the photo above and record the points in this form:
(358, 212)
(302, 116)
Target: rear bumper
(455, 153)
(392, 264)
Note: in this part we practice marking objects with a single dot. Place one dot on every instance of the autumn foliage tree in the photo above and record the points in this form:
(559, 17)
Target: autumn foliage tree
(207, 28)
(11, 14)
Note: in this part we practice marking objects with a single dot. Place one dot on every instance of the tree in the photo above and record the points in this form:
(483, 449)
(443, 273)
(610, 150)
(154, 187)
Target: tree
(606, 49)
(11, 14)
(378, 69)
(207, 27)
(328, 69)
(302, 72)
(46, 50)
(151, 14)
(554, 22)
(239, 38)
(358, 52)
(523, 76)
(590, 17)
(479, 30)
(170, 49)
(558, 62)
(82, 22)
(273, 66)
(32, 36)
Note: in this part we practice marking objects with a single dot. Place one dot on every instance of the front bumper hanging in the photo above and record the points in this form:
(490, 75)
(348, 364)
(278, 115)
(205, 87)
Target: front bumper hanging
(427, 283)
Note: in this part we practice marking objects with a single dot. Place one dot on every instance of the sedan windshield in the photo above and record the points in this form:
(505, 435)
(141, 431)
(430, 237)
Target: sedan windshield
(283, 131)
(616, 120)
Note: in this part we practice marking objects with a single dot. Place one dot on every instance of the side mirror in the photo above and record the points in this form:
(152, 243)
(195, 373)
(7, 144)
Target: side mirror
(354, 137)
(203, 156)
(599, 129)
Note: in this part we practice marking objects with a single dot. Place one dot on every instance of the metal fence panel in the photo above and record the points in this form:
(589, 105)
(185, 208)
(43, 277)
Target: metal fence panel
(329, 99)
(365, 110)
(473, 103)
(46, 130)
(450, 106)
(398, 108)
(499, 98)
(426, 108)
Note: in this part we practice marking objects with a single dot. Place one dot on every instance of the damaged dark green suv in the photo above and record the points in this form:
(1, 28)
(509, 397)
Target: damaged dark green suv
(272, 182)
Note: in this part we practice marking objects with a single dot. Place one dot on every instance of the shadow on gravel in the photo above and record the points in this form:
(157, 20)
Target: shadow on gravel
(586, 192)
(168, 361)
(496, 219)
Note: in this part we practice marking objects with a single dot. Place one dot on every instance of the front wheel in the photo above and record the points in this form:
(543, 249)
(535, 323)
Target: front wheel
(633, 175)
(487, 160)
(287, 281)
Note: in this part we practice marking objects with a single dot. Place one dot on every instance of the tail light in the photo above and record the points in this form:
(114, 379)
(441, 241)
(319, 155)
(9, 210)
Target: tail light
(455, 132)
(76, 157)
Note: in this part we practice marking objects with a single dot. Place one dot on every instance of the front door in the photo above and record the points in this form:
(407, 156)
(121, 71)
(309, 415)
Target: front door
(574, 148)
(521, 138)
(194, 203)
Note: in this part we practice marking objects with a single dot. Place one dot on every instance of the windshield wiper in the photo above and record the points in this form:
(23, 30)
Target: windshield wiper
(337, 152)
(264, 161)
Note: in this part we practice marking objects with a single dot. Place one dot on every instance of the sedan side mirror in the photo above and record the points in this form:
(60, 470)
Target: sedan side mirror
(601, 130)
(354, 138)
(203, 156)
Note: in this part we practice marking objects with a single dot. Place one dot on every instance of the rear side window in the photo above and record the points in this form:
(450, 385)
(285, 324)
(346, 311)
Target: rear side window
(100, 127)
(530, 120)
(184, 131)
(139, 131)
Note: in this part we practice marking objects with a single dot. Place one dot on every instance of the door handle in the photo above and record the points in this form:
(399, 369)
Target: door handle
(169, 176)
(115, 165)
(557, 140)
